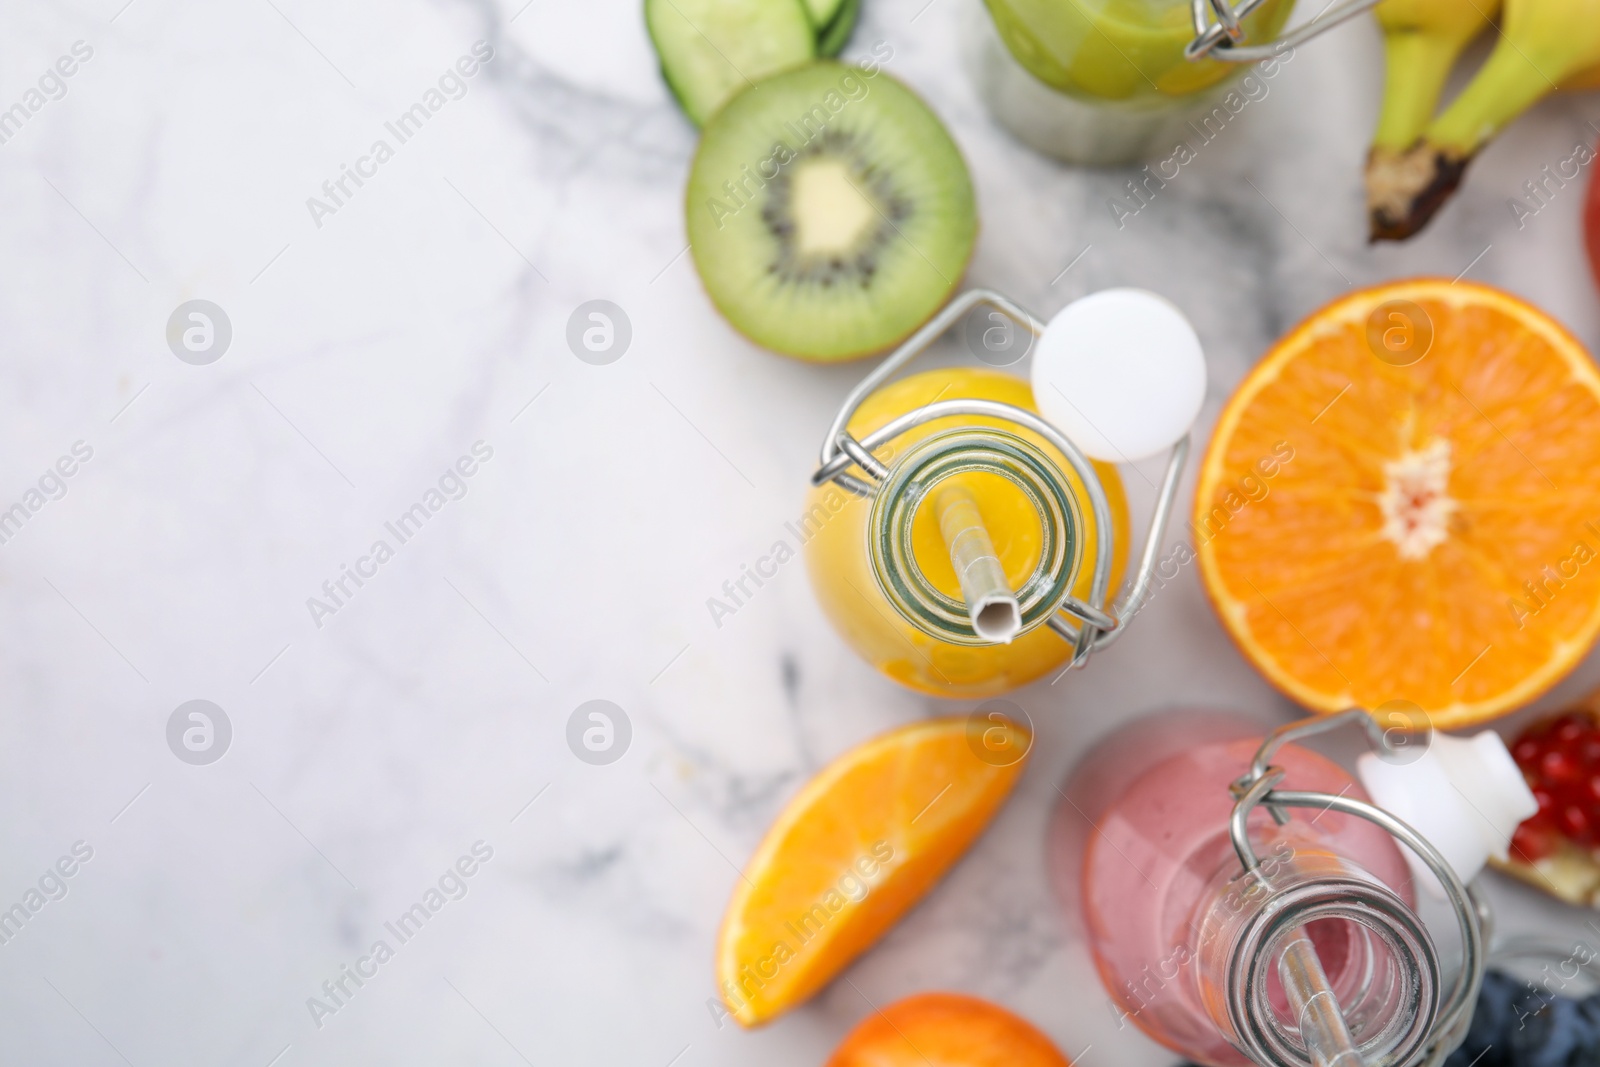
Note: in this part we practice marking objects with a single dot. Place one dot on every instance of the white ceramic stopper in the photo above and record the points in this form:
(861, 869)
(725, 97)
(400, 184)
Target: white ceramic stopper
(1121, 373)
(1464, 794)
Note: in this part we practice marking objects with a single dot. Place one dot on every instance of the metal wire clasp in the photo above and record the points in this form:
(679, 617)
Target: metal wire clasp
(1088, 624)
(1259, 786)
(1223, 39)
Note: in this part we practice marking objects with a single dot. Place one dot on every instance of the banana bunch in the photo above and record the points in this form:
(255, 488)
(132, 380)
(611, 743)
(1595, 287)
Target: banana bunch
(1417, 159)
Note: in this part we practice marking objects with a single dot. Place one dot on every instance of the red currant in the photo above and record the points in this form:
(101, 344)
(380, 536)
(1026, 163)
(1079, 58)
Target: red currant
(1574, 822)
(1560, 759)
(1569, 728)
(1558, 766)
(1532, 842)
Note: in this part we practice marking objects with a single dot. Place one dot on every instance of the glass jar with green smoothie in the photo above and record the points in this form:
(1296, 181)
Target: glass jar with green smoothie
(1109, 82)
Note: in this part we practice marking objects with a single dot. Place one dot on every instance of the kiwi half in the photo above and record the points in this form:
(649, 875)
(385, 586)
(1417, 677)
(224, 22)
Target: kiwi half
(829, 212)
(712, 49)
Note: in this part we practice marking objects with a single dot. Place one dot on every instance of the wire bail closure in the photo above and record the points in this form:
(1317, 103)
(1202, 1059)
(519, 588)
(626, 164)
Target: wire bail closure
(1223, 39)
(1088, 624)
(1258, 787)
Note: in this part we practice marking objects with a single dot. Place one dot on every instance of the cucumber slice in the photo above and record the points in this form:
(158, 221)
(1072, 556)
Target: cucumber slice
(836, 34)
(711, 49)
(822, 12)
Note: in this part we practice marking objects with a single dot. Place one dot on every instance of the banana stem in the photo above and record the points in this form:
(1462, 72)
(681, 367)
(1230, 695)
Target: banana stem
(1416, 66)
(1509, 84)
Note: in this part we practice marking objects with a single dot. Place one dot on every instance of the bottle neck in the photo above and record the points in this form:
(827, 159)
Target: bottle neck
(891, 546)
(1308, 919)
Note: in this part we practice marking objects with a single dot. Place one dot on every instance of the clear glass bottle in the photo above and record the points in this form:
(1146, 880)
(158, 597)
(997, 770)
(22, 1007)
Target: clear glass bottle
(1228, 967)
(882, 566)
(1100, 82)
(963, 542)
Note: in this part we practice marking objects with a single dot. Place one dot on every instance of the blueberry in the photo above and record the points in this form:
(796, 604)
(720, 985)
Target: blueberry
(1487, 1043)
(1461, 1057)
(1587, 1054)
(1493, 1016)
(1589, 1008)
(1551, 1034)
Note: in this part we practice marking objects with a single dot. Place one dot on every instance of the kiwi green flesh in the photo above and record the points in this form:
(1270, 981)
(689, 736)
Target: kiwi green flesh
(710, 50)
(829, 212)
(832, 38)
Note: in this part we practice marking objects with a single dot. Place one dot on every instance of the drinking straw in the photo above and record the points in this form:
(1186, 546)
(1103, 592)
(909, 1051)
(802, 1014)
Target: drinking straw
(991, 604)
(1315, 1007)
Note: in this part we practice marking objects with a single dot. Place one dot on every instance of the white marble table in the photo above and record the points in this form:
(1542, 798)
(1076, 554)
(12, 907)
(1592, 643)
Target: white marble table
(376, 740)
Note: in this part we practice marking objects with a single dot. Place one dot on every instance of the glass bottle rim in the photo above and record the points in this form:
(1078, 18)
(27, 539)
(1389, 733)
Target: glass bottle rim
(943, 455)
(1257, 1026)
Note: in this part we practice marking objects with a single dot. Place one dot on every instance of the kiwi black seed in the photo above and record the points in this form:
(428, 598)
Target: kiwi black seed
(829, 212)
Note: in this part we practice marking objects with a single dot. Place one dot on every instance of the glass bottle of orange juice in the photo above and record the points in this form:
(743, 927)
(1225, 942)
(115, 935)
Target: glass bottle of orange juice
(961, 542)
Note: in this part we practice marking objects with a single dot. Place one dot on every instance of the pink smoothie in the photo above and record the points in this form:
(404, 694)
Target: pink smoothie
(1140, 841)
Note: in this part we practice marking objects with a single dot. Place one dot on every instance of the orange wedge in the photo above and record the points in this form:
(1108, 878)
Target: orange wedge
(863, 842)
(946, 1030)
(1401, 503)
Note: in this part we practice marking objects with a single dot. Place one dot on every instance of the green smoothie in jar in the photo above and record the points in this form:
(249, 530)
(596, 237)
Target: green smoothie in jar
(1101, 81)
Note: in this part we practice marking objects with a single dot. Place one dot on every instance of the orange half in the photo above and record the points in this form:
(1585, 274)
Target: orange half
(1402, 503)
(862, 842)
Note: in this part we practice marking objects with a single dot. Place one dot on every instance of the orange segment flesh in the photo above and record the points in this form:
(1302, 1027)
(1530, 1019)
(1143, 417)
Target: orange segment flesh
(1435, 535)
(863, 842)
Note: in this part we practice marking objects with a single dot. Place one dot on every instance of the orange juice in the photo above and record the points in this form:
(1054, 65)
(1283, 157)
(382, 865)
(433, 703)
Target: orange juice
(881, 567)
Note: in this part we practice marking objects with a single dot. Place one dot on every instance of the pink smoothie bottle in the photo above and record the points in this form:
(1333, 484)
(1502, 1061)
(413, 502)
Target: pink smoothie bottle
(1311, 956)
